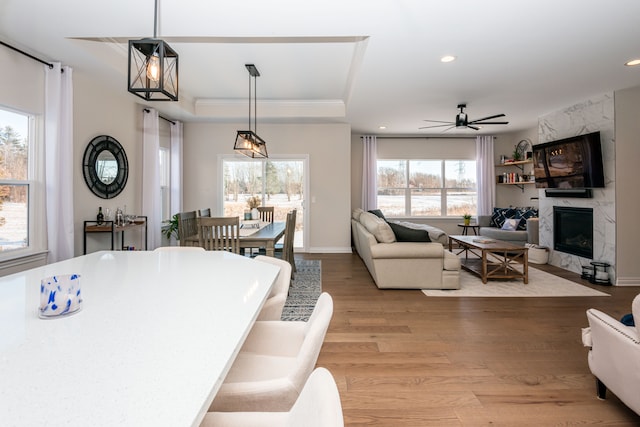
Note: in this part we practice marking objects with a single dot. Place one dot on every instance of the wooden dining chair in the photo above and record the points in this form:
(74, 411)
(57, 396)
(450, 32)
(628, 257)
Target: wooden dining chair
(219, 234)
(205, 212)
(266, 213)
(187, 228)
(287, 246)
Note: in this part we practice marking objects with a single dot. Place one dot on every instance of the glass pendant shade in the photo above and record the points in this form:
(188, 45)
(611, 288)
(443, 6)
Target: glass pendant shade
(250, 144)
(153, 70)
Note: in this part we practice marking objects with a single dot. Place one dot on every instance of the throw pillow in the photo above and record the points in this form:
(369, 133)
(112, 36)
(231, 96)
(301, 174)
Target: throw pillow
(378, 227)
(500, 215)
(406, 234)
(510, 224)
(524, 214)
(378, 213)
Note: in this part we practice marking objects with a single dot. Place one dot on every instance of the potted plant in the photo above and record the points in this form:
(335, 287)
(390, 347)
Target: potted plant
(467, 218)
(253, 203)
(170, 228)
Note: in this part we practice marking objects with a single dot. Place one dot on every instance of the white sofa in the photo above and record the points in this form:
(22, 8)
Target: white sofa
(614, 358)
(403, 265)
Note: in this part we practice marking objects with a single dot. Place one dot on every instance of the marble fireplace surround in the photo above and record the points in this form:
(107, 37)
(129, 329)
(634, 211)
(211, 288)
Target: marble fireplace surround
(595, 114)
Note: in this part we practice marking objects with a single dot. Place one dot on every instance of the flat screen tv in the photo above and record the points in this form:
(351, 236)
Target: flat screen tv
(574, 162)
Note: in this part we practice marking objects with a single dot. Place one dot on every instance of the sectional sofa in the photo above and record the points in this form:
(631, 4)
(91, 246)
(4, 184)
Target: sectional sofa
(397, 264)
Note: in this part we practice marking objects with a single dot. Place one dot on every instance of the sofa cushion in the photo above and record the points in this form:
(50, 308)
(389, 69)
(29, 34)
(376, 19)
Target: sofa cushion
(378, 227)
(406, 234)
(510, 224)
(356, 214)
(378, 213)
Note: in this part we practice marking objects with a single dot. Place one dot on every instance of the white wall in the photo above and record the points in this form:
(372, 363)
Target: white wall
(328, 149)
(627, 131)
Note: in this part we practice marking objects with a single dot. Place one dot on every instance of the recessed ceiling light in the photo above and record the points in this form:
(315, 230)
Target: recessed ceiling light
(382, 127)
(632, 62)
(448, 58)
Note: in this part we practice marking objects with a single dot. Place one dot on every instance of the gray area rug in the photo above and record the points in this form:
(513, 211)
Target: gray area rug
(541, 284)
(304, 290)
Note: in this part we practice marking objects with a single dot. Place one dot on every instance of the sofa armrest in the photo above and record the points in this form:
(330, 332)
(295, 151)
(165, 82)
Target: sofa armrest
(407, 250)
(451, 261)
(484, 220)
(532, 230)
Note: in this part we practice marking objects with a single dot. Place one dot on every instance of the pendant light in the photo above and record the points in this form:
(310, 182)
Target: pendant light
(247, 141)
(153, 67)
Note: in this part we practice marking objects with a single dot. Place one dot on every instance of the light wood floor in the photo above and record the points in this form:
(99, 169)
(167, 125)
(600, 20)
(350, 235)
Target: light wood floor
(403, 359)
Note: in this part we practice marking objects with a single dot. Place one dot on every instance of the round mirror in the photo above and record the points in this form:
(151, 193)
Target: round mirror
(105, 167)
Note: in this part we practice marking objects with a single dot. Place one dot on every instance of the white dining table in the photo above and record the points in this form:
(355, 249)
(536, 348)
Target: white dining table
(153, 342)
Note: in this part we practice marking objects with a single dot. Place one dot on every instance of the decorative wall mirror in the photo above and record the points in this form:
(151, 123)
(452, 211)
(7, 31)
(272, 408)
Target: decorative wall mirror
(105, 167)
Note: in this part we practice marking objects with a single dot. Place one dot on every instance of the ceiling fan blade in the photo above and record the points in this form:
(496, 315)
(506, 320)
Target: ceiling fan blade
(487, 118)
(490, 123)
(449, 128)
(438, 121)
(473, 127)
(434, 126)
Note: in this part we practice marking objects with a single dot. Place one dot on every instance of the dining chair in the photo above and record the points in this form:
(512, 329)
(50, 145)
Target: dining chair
(317, 406)
(272, 308)
(285, 249)
(187, 228)
(266, 213)
(219, 234)
(274, 363)
(205, 212)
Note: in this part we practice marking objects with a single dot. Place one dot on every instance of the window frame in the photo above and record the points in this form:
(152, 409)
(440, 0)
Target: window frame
(407, 189)
(35, 181)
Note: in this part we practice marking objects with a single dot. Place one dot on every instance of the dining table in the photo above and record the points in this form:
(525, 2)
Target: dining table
(254, 235)
(156, 334)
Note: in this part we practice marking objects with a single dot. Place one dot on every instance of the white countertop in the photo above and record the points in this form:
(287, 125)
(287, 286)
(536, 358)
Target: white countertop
(152, 344)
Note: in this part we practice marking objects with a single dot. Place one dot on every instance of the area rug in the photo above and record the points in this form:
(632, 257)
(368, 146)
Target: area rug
(541, 284)
(304, 291)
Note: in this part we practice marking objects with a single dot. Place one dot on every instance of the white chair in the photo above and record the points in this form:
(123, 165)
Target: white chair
(274, 363)
(272, 308)
(317, 406)
(178, 248)
(614, 358)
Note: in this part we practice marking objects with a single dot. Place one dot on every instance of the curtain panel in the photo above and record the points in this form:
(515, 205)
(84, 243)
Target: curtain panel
(58, 141)
(151, 200)
(485, 175)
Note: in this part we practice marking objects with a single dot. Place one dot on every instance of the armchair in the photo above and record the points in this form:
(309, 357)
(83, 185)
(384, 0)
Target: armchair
(614, 358)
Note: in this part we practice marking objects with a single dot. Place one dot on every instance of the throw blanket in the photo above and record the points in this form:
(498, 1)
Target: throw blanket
(435, 234)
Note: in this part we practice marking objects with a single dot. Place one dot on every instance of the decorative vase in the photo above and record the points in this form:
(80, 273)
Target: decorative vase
(255, 213)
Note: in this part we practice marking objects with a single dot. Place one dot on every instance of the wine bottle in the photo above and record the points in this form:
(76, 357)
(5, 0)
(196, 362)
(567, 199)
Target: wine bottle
(100, 217)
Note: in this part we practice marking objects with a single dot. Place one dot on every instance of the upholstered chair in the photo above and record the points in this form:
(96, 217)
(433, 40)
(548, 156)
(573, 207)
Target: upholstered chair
(274, 363)
(272, 308)
(317, 406)
(614, 358)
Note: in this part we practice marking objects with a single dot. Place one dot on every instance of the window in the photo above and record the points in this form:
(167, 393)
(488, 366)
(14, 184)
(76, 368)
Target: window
(435, 188)
(277, 182)
(15, 181)
(165, 181)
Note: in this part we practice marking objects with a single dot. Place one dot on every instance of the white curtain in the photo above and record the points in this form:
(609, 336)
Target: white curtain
(176, 168)
(59, 161)
(369, 173)
(151, 177)
(485, 175)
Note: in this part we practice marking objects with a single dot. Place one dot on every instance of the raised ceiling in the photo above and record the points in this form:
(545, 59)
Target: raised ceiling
(368, 63)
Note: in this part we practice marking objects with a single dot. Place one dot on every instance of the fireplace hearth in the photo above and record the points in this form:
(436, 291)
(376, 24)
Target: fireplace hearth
(573, 231)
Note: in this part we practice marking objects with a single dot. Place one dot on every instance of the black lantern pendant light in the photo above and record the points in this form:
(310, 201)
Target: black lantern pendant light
(247, 141)
(153, 67)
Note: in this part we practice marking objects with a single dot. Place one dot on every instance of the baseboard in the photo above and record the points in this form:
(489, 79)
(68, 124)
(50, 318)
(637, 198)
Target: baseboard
(330, 250)
(627, 281)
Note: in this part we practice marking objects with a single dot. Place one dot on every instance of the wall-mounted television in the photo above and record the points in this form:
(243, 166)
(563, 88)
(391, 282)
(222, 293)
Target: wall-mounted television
(574, 162)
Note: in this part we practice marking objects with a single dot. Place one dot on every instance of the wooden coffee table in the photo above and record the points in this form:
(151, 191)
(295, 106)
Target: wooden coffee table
(493, 259)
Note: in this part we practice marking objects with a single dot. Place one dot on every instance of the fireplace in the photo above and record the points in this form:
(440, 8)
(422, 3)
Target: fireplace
(573, 231)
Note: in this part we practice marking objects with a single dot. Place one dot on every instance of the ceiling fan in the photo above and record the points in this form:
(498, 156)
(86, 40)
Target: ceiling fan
(463, 122)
